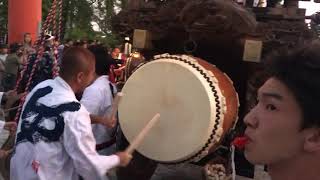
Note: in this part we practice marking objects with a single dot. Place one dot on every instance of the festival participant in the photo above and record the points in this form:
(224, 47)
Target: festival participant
(12, 64)
(283, 129)
(10, 126)
(27, 44)
(3, 53)
(54, 138)
(97, 98)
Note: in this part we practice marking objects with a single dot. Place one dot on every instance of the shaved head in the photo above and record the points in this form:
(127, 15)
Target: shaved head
(74, 61)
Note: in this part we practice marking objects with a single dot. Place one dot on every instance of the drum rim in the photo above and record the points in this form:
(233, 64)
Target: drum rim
(215, 131)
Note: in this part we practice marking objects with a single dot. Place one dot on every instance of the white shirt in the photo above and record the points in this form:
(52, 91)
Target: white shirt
(1, 125)
(97, 98)
(3, 57)
(55, 142)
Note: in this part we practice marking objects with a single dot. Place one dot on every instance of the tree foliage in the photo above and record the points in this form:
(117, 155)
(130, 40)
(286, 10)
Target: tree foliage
(3, 17)
(78, 16)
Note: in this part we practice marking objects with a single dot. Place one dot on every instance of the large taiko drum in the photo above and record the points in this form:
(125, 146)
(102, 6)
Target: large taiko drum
(197, 103)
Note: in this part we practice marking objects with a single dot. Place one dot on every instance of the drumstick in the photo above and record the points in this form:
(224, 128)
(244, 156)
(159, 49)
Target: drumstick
(137, 141)
(115, 105)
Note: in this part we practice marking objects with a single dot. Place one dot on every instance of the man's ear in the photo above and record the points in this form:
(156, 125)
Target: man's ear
(312, 140)
(80, 77)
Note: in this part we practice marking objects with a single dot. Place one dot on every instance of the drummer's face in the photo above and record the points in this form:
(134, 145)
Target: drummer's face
(273, 126)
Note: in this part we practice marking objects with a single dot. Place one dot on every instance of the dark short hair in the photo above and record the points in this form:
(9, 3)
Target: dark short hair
(299, 70)
(75, 60)
(103, 59)
(14, 47)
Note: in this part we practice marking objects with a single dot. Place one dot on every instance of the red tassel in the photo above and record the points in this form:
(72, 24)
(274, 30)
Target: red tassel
(240, 142)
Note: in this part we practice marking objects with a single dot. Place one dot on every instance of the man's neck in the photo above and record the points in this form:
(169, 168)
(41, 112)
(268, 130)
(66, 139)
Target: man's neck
(72, 85)
(298, 168)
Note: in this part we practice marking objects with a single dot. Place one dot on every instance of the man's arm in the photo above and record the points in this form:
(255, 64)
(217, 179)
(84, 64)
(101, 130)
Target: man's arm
(4, 153)
(9, 98)
(92, 102)
(79, 143)
(106, 121)
(10, 126)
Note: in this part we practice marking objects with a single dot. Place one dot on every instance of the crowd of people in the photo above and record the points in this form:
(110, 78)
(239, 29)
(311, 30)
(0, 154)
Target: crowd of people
(15, 55)
(65, 130)
(84, 69)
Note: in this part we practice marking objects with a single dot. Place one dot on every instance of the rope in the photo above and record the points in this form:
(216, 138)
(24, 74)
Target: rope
(57, 33)
(54, 18)
(25, 67)
(60, 19)
(39, 42)
(39, 57)
(55, 71)
(4, 111)
(51, 18)
(11, 109)
(46, 24)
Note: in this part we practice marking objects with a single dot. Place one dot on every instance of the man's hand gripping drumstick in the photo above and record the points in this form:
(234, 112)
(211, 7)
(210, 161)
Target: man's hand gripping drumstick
(126, 156)
(111, 120)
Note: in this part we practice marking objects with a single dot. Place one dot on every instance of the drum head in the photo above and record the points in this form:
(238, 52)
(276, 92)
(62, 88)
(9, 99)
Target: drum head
(185, 101)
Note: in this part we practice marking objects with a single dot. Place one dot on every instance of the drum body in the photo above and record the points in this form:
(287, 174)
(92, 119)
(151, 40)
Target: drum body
(197, 103)
(132, 63)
